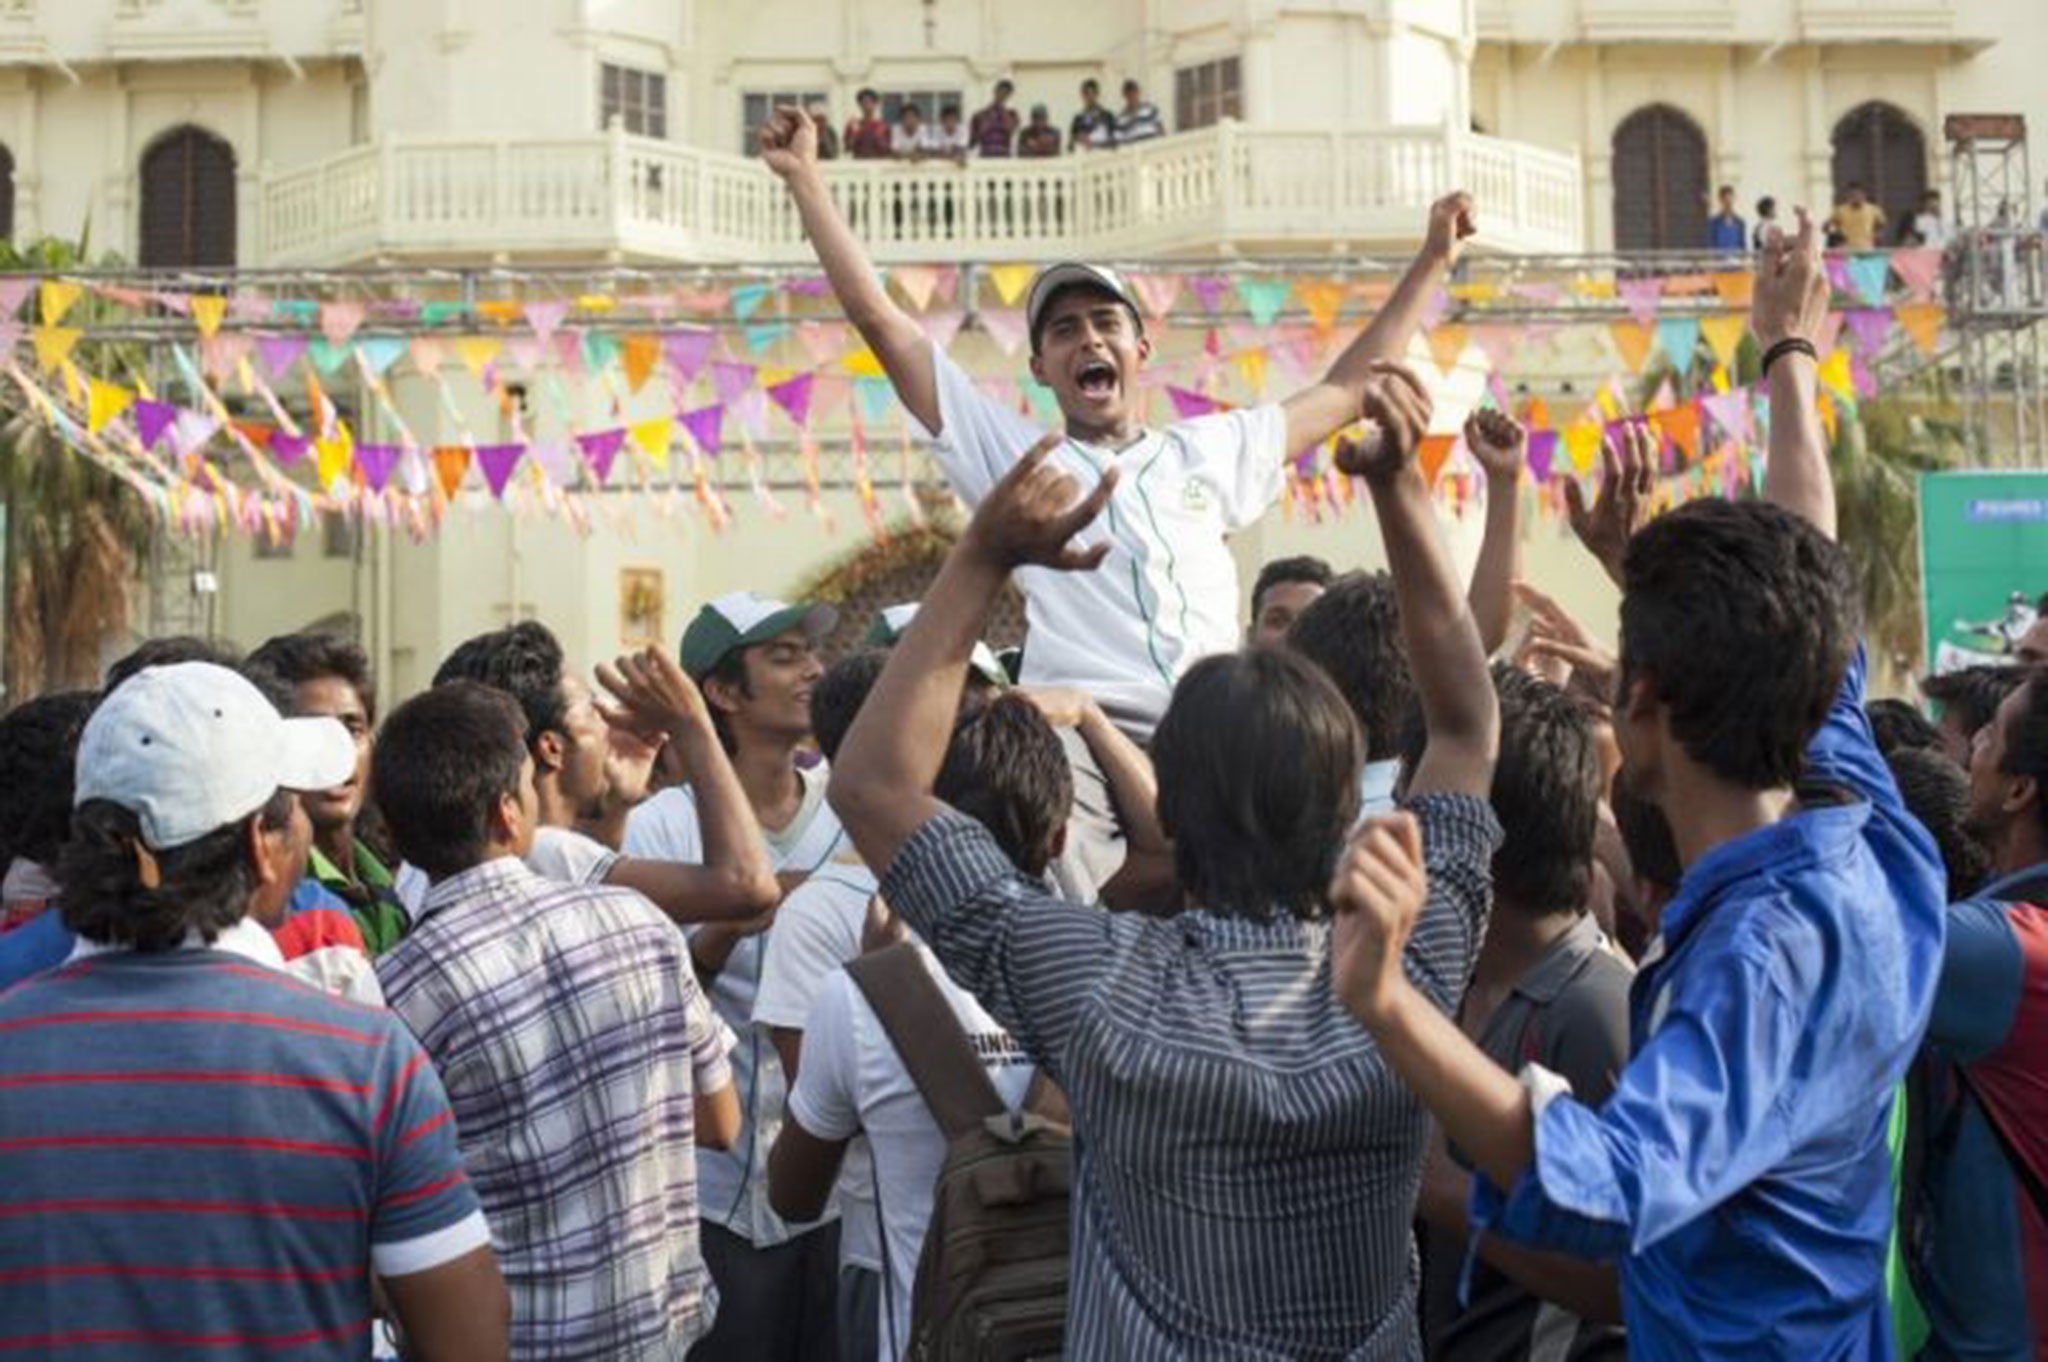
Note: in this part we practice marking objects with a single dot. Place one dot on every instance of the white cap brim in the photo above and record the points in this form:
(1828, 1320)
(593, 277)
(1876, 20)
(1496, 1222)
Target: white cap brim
(314, 753)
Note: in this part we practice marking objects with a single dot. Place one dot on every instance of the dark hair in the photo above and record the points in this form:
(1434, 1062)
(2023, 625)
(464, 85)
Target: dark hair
(443, 761)
(1972, 694)
(866, 93)
(1080, 286)
(1005, 768)
(909, 107)
(1006, 86)
(168, 652)
(525, 661)
(1258, 760)
(1130, 85)
(730, 669)
(1304, 567)
(1353, 632)
(1897, 725)
(1546, 793)
(1091, 83)
(1938, 794)
(1646, 835)
(203, 886)
(292, 659)
(38, 759)
(1742, 618)
(839, 694)
(1725, 189)
(949, 111)
(1766, 206)
(2026, 744)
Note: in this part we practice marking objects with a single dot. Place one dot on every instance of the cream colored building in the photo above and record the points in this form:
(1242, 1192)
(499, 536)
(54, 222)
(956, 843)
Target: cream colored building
(317, 134)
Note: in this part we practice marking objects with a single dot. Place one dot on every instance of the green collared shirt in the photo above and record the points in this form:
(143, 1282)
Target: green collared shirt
(370, 897)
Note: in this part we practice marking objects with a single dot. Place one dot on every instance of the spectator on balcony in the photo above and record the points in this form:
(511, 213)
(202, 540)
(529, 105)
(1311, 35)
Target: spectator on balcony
(911, 140)
(993, 131)
(1138, 120)
(949, 139)
(1095, 126)
(1766, 221)
(1038, 137)
(867, 133)
(828, 140)
(1857, 221)
(1726, 231)
(1927, 227)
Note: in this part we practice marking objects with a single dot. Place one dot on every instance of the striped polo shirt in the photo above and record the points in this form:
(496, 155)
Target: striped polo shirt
(203, 1158)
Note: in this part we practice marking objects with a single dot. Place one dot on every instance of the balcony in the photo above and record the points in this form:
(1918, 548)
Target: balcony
(1226, 188)
(1886, 21)
(1634, 21)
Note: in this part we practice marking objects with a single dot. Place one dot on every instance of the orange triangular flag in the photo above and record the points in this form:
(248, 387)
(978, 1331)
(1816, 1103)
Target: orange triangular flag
(638, 358)
(500, 310)
(1432, 454)
(1724, 336)
(1922, 322)
(1632, 343)
(1735, 287)
(1447, 346)
(1681, 426)
(451, 462)
(1324, 299)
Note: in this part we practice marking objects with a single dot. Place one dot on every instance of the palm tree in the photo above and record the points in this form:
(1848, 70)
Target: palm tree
(76, 536)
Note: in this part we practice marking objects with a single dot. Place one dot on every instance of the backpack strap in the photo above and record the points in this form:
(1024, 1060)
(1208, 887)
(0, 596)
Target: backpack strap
(928, 1038)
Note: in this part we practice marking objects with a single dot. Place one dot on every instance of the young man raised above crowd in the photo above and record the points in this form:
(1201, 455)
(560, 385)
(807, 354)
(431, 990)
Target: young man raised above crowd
(1192, 1050)
(1167, 595)
(1739, 1169)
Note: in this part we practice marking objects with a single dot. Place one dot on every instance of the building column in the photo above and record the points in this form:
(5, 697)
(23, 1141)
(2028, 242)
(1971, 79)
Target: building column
(1599, 154)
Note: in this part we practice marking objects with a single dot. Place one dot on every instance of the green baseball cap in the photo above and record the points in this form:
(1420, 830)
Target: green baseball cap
(742, 619)
(891, 621)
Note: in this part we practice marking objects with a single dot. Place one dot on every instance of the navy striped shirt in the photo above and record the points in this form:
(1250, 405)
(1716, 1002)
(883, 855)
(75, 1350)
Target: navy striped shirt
(1245, 1162)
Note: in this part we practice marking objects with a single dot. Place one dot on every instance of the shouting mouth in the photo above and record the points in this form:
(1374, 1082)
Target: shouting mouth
(1096, 380)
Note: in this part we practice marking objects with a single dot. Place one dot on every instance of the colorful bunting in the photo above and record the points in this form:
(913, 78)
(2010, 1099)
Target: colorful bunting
(1263, 298)
(639, 355)
(653, 438)
(1005, 327)
(599, 449)
(1010, 281)
(1432, 454)
(207, 311)
(105, 402)
(706, 426)
(338, 321)
(1188, 405)
(1919, 270)
(376, 462)
(498, 463)
(152, 419)
(1542, 452)
(687, 350)
(451, 465)
(1724, 336)
(58, 295)
(1632, 343)
(1867, 276)
(1922, 323)
(546, 316)
(1157, 293)
(1447, 347)
(54, 344)
(475, 352)
(917, 284)
(794, 397)
(1210, 290)
(380, 353)
(1679, 339)
(1642, 298)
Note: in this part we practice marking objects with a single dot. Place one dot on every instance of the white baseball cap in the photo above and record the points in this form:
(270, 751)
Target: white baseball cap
(1075, 274)
(891, 621)
(194, 747)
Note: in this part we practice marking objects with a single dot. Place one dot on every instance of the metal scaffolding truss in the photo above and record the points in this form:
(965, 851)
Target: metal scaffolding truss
(1998, 289)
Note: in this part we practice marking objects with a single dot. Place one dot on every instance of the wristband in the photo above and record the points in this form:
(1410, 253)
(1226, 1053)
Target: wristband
(1791, 345)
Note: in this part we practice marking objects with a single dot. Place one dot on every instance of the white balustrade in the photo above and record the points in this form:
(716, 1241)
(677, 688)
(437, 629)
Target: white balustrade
(1229, 185)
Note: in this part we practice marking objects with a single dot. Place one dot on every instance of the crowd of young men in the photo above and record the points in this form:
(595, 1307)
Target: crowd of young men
(1399, 1002)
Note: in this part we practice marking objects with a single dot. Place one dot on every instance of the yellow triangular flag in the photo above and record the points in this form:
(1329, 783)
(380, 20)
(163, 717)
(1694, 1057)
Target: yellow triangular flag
(863, 364)
(1632, 343)
(1825, 405)
(1593, 288)
(477, 351)
(207, 310)
(331, 457)
(1724, 336)
(58, 296)
(653, 438)
(1720, 379)
(1922, 322)
(53, 345)
(1447, 346)
(74, 384)
(1323, 298)
(1251, 366)
(1836, 375)
(596, 303)
(1582, 445)
(1475, 293)
(638, 358)
(104, 402)
(1010, 281)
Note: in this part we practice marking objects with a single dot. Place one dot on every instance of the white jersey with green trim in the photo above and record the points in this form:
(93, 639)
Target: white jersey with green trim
(1166, 596)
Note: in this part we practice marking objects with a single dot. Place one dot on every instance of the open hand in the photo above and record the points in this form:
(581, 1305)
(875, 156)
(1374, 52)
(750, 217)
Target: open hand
(1558, 645)
(789, 142)
(1791, 294)
(650, 695)
(1396, 408)
(1628, 480)
(1451, 221)
(1033, 514)
(629, 765)
(1375, 898)
(1496, 440)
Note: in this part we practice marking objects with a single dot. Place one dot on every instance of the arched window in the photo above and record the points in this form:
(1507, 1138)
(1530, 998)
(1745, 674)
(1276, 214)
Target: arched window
(1660, 181)
(6, 194)
(188, 200)
(1878, 147)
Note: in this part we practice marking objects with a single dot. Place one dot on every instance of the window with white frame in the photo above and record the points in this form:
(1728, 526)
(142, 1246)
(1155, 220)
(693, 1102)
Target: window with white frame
(637, 98)
(1207, 94)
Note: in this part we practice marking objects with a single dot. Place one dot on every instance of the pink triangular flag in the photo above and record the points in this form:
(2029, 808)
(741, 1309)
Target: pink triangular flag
(917, 282)
(426, 353)
(1868, 328)
(1005, 326)
(12, 293)
(279, 354)
(1641, 297)
(1187, 405)
(794, 397)
(1498, 343)
(1157, 293)
(599, 448)
(1918, 269)
(545, 316)
(338, 321)
(498, 461)
(706, 425)
(822, 341)
(1210, 289)
(730, 379)
(555, 460)
(687, 349)
(942, 326)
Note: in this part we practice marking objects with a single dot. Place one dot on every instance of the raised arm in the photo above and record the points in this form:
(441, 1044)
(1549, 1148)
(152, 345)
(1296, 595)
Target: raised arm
(1459, 706)
(882, 783)
(1628, 480)
(1790, 303)
(650, 695)
(1321, 410)
(789, 144)
(1497, 441)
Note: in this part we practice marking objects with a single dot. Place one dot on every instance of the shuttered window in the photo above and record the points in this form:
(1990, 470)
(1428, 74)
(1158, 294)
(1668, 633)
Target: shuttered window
(1878, 147)
(188, 201)
(1660, 181)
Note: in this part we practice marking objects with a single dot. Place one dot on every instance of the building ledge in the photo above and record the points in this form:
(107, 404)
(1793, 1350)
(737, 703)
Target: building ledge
(1601, 21)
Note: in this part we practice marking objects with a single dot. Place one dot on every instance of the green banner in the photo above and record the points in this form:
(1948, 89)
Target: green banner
(1983, 562)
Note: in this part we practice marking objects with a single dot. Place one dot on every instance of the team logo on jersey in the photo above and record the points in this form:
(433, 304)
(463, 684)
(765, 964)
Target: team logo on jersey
(1194, 497)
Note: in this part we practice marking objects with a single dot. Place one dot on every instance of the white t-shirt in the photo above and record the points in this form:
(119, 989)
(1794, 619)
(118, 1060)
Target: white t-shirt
(852, 1081)
(817, 929)
(1166, 596)
(904, 142)
(563, 855)
(732, 1185)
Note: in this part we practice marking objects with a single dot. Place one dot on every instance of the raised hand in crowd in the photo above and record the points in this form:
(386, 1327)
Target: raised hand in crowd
(1787, 308)
(1559, 649)
(1628, 482)
(1396, 408)
(1030, 518)
(1498, 444)
(1453, 220)
(1497, 441)
(789, 142)
(1376, 897)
